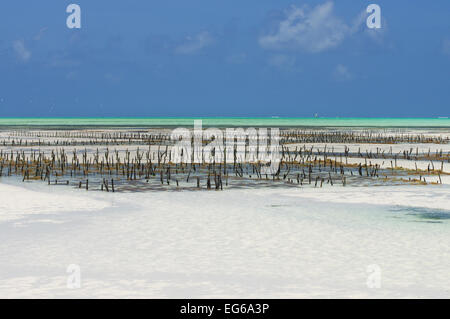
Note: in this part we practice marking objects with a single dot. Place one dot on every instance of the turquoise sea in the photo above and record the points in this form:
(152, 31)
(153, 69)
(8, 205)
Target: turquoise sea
(228, 122)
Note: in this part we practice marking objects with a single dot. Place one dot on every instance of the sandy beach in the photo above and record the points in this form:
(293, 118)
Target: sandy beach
(265, 243)
(220, 159)
(253, 237)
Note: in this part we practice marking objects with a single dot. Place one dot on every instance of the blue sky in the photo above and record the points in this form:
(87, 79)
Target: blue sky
(225, 58)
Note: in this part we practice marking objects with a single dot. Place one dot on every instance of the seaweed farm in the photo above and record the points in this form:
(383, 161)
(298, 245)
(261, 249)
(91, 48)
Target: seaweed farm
(132, 159)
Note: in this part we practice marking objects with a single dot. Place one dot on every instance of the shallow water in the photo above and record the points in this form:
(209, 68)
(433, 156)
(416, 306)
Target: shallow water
(425, 215)
(66, 123)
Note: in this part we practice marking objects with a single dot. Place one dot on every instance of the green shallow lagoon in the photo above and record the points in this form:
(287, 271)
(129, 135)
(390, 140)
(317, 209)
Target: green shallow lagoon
(230, 122)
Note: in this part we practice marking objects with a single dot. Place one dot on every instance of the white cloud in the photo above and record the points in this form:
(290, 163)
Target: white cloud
(195, 44)
(312, 30)
(21, 51)
(40, 34)
(282, 61)
(341, 73)
(308, 29)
